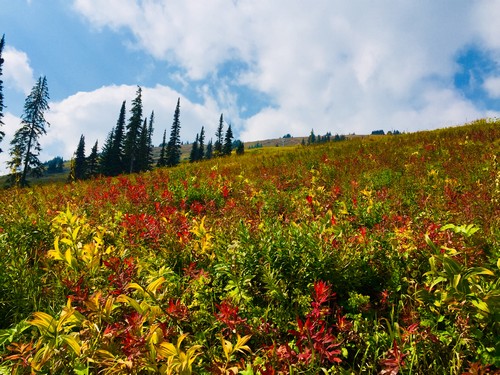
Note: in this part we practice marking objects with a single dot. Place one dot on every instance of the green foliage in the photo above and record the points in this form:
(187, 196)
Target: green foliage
(376, 255)
(25, 144)
(173, 148)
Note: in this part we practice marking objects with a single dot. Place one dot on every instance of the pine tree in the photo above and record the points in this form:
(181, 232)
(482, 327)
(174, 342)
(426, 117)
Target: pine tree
(217, 151)
(133, 133)
(2, 134)
(93, 162)
(201, 144)
(228, 142)
(25, 145)
(150, 141)
(173, 152)
(105, 162)
(240, 149)
(80, 162)
(141, 163)
(116, 157)
(194, 151)
(209, 151)
(162, 161)
(312, 138)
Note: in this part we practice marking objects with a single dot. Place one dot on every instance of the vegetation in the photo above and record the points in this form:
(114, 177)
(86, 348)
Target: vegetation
(376, 255)
(25, 144)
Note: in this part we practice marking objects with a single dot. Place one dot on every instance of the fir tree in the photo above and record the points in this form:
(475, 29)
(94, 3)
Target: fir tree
(150, 141)
(209, 151)
(25, 145)
(142, 147)
(240, 149)
(133, 133)
(116, 157)
(228, 142)
(193, 156)
(217, 151)
(106, 160)
(2, 134)
(201, 144)
(162, 160)
(173, 152)
(145, 152)
(312, 138)
(80, 162)
(93, 162)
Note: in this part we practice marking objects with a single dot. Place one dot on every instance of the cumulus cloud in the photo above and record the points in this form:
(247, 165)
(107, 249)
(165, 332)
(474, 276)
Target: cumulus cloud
(17, 72)
(492, 86)
(329, 65)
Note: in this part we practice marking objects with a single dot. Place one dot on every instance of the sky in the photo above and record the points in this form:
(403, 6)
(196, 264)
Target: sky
(271, 67)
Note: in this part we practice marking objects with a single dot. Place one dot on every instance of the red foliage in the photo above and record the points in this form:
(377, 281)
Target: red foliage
(121, 275)
(228, 315)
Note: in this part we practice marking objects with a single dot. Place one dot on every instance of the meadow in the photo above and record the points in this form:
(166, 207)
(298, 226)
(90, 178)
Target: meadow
(375, 255)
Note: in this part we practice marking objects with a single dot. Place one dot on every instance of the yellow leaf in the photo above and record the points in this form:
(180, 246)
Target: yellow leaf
(44, 322)
(130, 301)
(68, 257)
(136, 287)
(152, 287)
(166, 349)
(72, 343)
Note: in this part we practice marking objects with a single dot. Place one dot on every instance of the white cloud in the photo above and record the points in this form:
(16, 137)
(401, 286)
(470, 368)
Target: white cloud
(330, 65)
(17, 72)
(492, 86)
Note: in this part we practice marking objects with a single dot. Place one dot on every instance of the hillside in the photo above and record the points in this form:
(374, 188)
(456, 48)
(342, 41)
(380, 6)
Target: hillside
(374, 255)
(60, 177)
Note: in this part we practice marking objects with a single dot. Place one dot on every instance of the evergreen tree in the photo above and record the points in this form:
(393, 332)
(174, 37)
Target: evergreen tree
(162, 161)
(217, 151)
(145, 151)
(194, 151)
(201, 144)
(93, 162)
(55, 165)
(2, 134)
(80, 162)
(173, 152)
(106, 160)
(25, 145)
(150, 141)
(132, 137)
(142, 148)
(228, 142)
(115, 164)
(312, 138)
(209, 152)
(240, 149)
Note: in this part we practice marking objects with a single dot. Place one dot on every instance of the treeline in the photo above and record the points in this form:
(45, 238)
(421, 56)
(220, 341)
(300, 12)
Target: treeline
(315, 139)
(129, 148)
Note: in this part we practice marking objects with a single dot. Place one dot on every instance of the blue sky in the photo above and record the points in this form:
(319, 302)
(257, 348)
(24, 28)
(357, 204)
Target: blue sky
(272, 67)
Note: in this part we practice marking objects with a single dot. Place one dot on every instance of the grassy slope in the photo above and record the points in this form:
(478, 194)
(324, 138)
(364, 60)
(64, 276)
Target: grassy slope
(362, 215)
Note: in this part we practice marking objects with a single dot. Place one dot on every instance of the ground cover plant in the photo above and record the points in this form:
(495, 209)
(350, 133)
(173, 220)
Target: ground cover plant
(373, 255)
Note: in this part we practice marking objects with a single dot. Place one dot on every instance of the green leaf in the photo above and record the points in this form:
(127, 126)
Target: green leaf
(481, 305)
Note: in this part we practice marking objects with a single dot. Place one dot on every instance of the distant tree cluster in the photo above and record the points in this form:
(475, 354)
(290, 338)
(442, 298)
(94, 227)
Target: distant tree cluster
(55, 165)
(316, 139)
(223, 146)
